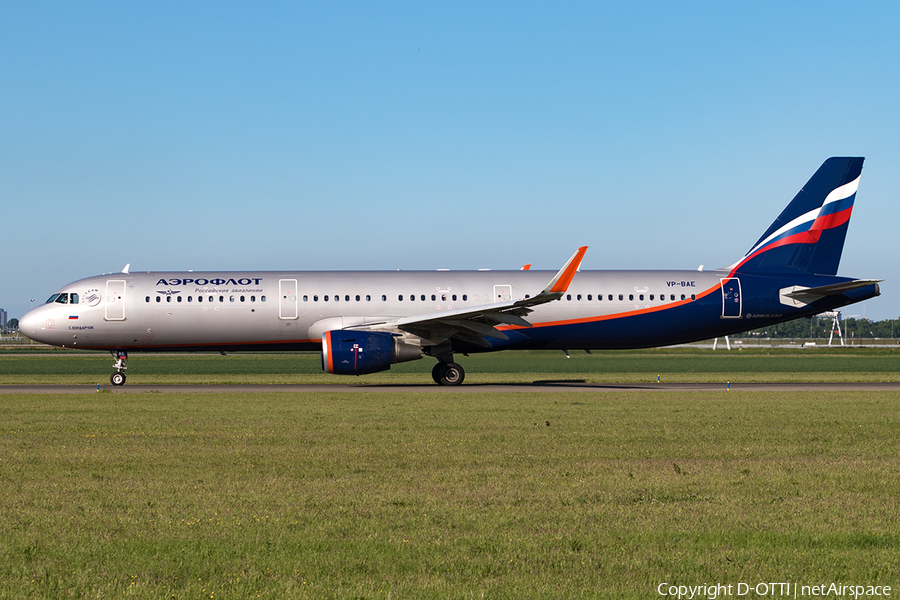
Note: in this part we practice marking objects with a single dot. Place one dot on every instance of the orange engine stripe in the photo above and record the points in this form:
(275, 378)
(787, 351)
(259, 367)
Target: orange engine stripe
(326, 348)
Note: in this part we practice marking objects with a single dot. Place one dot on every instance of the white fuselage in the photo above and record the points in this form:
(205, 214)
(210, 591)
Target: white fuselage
(259, 310)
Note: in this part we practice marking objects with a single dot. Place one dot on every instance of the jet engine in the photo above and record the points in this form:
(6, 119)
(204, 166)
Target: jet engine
(348, 352)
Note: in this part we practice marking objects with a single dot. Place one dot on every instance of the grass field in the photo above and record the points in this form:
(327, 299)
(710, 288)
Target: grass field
(330, 495)
(674, 365)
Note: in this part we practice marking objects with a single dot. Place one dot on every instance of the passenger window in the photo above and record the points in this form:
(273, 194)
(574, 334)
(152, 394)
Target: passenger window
(621, 297)
(578, 297)
(454, 297)
(433, 297)
(693, 297)
(368, 298)
(158, 298)
(611, 297)
(147, 299)
(325, 298)
(231, 298)
(179, 298)
(337, 297)
(168, 298)
(305, 298)
(423, 297)
(400, 297)
(590, 297)
(383, 298)
(316, 298)
(641, 297)
(672, 297)
(631, 297)
(651, 297)
(568, 297)
(682, 296)
(252, 298)
(262, 298)
(347, 297)
(242, 298)
(357, 297)
(466, 297)
(199, 298)
(412, 297)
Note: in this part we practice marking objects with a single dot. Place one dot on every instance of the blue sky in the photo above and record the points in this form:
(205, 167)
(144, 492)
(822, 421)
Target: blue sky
(426, 135)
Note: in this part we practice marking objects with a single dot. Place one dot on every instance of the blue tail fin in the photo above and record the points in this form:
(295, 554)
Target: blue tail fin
(808, 236)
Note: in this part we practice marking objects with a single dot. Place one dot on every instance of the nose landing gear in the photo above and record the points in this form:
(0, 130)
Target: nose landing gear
(118, 378)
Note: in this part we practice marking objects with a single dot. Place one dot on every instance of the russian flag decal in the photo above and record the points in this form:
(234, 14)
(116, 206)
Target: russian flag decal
(73, 317)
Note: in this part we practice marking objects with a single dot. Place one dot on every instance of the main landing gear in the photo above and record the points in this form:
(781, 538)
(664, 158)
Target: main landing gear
(118, 378)
(447, 373)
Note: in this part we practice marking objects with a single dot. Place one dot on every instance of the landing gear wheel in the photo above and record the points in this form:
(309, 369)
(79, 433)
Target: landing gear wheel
(118, 378)
(451, 374)
(436, 372)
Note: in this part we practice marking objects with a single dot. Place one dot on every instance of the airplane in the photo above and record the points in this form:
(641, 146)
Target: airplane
(363, 322)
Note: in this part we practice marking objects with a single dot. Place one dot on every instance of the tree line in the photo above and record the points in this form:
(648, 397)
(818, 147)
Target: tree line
(820, 327)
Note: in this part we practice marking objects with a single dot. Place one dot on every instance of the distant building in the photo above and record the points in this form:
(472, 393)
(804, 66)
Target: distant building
(3, 318)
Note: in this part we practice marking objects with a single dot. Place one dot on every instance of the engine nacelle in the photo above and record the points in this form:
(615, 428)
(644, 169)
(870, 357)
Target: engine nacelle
(348, 352)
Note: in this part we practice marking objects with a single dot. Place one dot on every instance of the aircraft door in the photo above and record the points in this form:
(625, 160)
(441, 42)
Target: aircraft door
(115, 300)
(502, 293)
(287, 295)
(731, 298)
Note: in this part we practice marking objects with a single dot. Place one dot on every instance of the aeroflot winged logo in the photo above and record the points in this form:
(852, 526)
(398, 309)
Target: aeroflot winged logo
(92, 297)
(217, 281)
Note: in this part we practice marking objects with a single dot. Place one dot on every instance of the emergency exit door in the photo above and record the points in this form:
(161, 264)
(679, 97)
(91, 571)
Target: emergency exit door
(287, 297)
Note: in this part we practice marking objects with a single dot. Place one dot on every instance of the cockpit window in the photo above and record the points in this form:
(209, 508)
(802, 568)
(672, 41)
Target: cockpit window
(63, 299)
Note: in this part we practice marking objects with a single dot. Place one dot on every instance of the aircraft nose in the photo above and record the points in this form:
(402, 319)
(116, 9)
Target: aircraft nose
(28, 324)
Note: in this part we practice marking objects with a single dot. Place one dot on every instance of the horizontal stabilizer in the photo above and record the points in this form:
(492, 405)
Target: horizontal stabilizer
(801, 296)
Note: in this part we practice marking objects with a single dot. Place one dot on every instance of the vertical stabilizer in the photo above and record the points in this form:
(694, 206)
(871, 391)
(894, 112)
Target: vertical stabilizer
(808, 236)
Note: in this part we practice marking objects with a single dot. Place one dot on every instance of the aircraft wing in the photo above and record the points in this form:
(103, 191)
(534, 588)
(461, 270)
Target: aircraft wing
(473, 324)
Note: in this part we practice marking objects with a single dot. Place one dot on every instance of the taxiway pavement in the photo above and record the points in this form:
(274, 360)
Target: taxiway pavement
(475, 388)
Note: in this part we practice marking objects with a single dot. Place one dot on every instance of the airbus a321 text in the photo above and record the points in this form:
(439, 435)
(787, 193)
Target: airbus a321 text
(363, 322)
